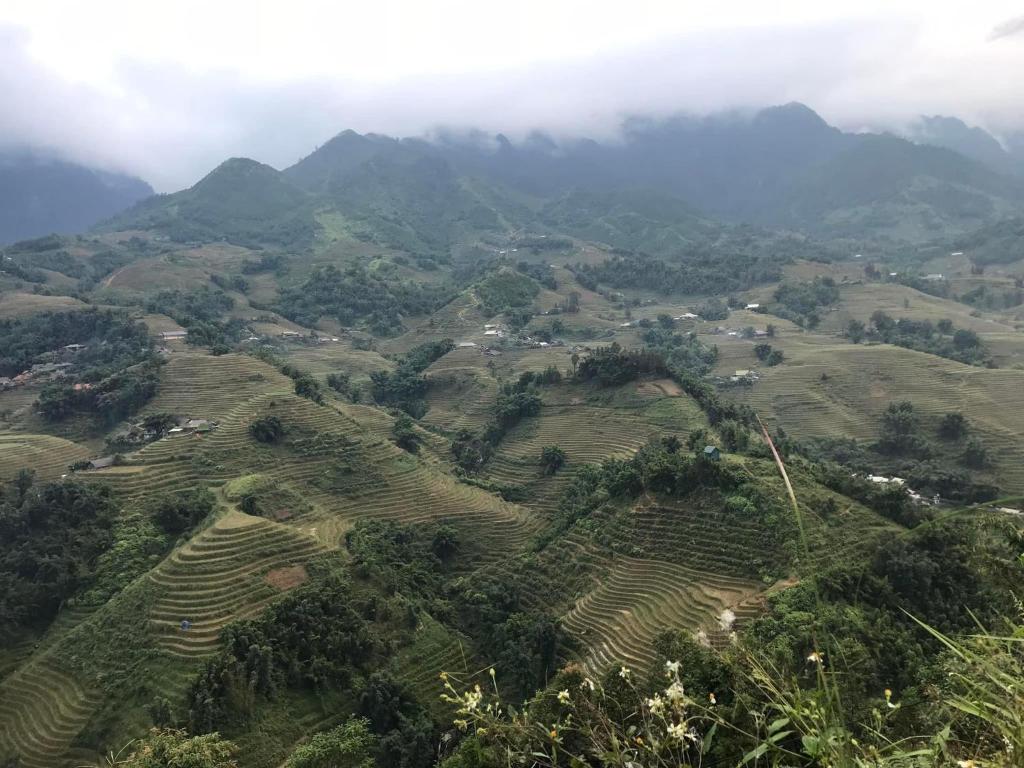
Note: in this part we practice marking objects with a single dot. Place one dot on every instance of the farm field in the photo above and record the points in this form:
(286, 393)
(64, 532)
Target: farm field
(16, 304)
(664, 538)
(840, 389)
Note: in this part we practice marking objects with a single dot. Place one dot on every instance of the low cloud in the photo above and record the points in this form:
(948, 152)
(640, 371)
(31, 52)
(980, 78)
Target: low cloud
(1008, 28)
(171, 125)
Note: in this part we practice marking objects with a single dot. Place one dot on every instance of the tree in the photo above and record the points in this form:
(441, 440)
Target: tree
(966, 339)
(552, 458)
(855, 331)
(268, 429)
(975, 454)
(50, 539)
(404, 432)
(339, 382)
(762, 351)
(898, 425)
(945, 325)
(953, 426)
(348, 746)
(178, 512)
(882, 322)
(445, 542)
(170, 748)
(308, 387)
(666, 321)
(775, 358)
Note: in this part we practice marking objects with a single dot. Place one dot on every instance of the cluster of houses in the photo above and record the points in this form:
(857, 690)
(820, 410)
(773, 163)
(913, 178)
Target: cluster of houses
(901, 483)
(758, 333)
(497, 332)
(138, 435)
(297, 336)
(49, 370)
(300, 337)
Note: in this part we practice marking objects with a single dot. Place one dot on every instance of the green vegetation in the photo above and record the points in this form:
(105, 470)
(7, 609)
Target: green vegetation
(694, 271)
(515, 402)
(505, 290)
(357, 295)
(405, 386)
(552, 459)
(180, 512)
(268, 429)
(169, 748)
(348, 746)
(942, 338)
(111, 341)
(802, 302)
(50, 538)
(387, 491)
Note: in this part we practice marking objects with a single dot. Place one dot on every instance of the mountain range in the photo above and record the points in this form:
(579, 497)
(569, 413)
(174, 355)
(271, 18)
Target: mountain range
(41, 194)
(782, 168)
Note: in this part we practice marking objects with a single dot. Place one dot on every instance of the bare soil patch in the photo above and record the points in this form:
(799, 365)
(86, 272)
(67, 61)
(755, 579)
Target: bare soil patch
(288, 577)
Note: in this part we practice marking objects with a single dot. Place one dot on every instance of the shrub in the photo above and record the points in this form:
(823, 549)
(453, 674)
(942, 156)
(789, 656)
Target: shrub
(552, 458)
(348, 746)
(268, 429)
(178, 512)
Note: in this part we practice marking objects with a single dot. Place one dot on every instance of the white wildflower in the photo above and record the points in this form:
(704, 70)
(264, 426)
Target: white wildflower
(656, 705)
(702, 638)
(671, 669)
(473, 698)
(624, 673)
(888, 699)
(563, 697)
(816, 657)
(712, 699)
(677, 731)
(675, 693)
(587, 684)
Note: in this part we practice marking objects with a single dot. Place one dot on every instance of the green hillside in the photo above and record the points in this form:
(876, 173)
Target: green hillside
(279, 449)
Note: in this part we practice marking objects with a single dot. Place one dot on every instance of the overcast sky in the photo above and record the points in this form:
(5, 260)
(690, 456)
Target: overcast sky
(167, 90)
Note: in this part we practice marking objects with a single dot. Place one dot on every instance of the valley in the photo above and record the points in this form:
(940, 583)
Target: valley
(444, 421)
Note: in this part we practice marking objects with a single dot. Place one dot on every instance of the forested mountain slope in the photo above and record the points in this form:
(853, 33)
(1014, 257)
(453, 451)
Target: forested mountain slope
(40, 195)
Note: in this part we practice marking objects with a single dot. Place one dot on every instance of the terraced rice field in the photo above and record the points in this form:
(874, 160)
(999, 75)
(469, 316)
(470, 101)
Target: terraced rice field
(459, 320)
(435, 649)
(201, 386)
(862, 380)
(460, 398)
(222, 575)
(17, 304)
(637, 599)
(588, 435)
(41, 711)
(48, 456)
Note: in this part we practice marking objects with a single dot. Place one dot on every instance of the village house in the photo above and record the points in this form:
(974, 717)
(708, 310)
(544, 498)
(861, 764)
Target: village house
(173, 335)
